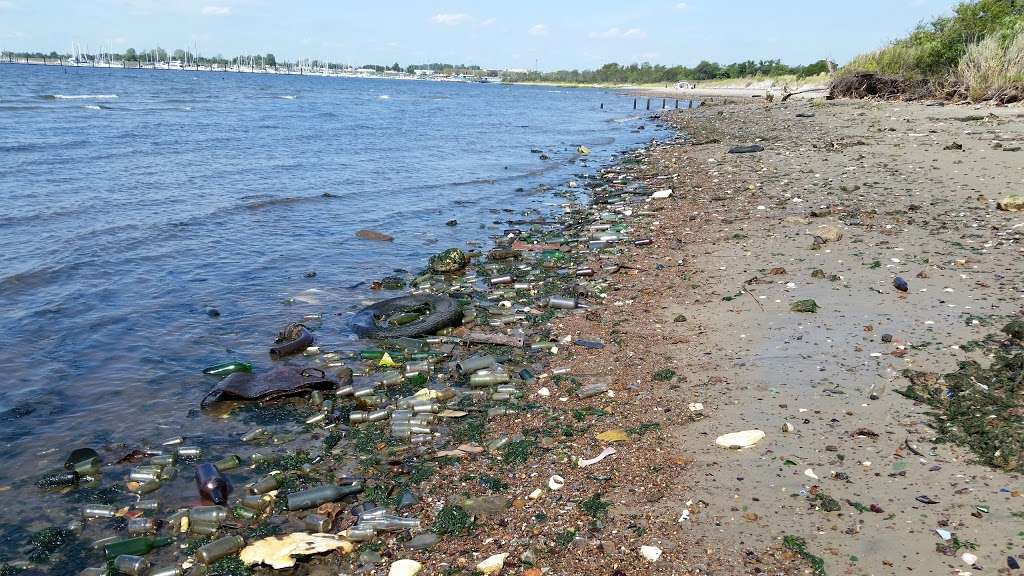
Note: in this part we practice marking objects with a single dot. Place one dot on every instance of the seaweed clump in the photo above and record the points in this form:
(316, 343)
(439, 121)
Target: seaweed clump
(979, 408)
(452, 520)
(799, 546)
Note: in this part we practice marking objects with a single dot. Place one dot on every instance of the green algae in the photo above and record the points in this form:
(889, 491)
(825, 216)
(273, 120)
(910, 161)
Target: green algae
(977, 407)
(453, 520)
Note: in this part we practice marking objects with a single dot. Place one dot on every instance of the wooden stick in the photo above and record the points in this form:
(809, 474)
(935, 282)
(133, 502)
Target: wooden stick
(496, 339)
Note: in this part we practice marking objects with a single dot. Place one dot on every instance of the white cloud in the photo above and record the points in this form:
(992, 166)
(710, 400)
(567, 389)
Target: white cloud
(682, 6)
(617, 33)
(647, 57)
(215, 10)
(538, 30)
(6, 4)
(449, 19)
(488, 22)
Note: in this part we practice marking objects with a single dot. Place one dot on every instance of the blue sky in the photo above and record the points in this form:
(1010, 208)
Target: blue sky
(549, 34)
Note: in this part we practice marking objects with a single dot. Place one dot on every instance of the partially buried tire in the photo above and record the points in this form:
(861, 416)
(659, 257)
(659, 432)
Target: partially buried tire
(441, 312)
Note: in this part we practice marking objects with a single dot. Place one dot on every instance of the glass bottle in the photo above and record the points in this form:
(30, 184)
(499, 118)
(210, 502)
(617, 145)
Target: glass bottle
(212, 484)
(322, 494)
(137, 546)
(226, 368)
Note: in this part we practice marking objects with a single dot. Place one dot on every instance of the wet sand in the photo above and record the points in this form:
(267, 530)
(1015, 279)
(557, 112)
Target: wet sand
(711, 301)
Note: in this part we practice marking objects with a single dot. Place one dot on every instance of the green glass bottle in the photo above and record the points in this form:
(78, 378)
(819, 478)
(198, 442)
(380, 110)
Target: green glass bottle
(228, 368)
(138, 546)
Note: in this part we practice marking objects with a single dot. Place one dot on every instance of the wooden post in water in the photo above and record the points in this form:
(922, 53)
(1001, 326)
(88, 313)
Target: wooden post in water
(648, 103)
(634, 103)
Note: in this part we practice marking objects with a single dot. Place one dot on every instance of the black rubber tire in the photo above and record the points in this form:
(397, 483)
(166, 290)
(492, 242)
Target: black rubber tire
(444, 312)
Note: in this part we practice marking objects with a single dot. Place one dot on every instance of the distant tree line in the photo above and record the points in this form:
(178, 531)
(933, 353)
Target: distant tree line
(647, 73)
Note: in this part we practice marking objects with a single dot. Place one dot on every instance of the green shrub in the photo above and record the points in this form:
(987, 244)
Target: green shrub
(935, 50)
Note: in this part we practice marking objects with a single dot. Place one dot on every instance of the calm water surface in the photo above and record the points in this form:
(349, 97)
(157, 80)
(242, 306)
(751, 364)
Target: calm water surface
(135, 201)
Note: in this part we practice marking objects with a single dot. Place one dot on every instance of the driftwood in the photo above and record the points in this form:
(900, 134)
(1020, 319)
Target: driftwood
(879, 86)
(496, 339)
(787, 95)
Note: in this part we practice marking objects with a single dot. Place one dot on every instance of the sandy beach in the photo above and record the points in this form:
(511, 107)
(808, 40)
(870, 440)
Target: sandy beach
(711, 302)
(732, 92)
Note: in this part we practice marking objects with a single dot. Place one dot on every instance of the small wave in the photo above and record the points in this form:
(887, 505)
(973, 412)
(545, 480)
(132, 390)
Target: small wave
(78, 97)
(20, 108)
(625, 119)
(268, 202)
(383, 97)
(92, 107)
(185, 108)
(287, 97)
(32, 278)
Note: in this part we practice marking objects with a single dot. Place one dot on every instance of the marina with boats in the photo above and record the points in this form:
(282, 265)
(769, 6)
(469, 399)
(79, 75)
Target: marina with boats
(250, 64)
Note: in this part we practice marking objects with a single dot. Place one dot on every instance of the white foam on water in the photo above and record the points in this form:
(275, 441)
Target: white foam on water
(383, 97)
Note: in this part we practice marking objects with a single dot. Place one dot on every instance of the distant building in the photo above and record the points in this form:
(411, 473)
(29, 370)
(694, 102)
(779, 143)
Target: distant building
(423, 72)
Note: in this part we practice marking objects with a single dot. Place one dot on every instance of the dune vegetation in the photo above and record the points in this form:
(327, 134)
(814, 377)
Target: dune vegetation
(977, 53)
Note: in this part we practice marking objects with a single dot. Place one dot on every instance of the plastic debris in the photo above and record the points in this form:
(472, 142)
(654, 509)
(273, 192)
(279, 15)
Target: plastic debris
(404, 567)
(604, 454)
(280, 551)
(493, 564)
(743, 439)
(650, 553)
(613, 435)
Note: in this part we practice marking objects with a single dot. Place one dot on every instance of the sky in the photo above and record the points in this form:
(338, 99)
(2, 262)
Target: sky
(513, 34)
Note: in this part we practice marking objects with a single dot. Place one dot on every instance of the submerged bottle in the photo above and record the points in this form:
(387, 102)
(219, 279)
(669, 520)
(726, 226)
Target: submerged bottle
(141, 525)
(219, 548)
(138, 546)
(228, 368)
(268, 483)
(228, 463)
(132, 565)
(207, 514)
(212, 484)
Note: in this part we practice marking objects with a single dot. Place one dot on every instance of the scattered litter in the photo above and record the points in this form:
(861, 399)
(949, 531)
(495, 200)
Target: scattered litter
(604, 454)
(743, 439)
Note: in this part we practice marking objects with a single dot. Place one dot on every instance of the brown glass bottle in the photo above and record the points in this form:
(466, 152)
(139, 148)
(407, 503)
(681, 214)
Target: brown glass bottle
(212, 485)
